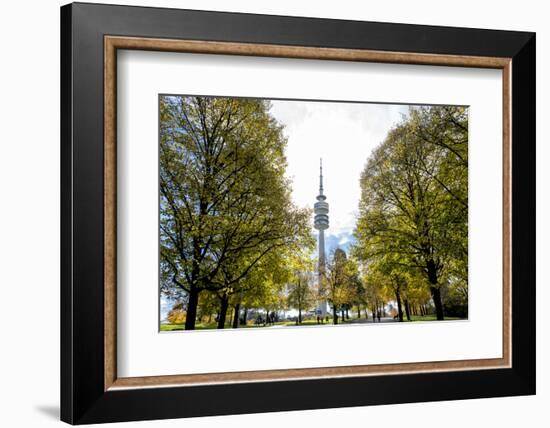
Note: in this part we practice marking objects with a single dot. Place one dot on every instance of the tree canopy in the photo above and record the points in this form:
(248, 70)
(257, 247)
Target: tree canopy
(413, 212)
(225, 205)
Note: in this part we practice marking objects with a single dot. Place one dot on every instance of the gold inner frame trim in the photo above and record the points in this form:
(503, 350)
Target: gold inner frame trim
(113, 43)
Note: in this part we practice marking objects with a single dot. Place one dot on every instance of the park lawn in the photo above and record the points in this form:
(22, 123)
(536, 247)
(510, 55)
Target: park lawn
(198, 326)
(431, 318)
(171, 327)
(209, 326)
(213, 325)
(309, 322)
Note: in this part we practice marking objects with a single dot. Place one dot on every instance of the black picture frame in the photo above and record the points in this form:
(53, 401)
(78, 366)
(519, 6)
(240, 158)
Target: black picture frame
(83, 398)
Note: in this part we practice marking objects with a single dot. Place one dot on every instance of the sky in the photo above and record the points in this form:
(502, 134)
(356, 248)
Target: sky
(343, 135)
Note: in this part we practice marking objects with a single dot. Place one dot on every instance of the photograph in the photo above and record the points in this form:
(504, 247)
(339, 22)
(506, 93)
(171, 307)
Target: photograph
(256, 206)
(277, 213)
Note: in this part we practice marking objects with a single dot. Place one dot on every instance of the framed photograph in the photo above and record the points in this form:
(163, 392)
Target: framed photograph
(270, 209)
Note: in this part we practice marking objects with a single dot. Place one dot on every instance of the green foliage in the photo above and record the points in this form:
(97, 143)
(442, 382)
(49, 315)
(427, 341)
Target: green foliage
(300, 293)
(339, 281)
(413, 212)
(225, 209)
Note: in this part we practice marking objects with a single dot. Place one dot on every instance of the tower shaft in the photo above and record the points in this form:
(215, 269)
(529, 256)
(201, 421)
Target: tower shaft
(322, 260)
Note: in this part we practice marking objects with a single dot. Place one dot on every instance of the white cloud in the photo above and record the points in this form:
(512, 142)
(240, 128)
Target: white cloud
(344, 135)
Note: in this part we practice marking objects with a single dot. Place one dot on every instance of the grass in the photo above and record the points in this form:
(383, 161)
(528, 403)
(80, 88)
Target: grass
(308, 322)
(214, 325)
(171, 327)
(431, 318)
(203, 326)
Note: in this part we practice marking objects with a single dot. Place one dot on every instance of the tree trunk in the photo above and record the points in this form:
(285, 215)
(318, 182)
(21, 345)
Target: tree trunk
(334, 315)
(436, 296)
(299, 315)
(245, 314)
(358, 311)
(374, 313)
(192, 304)
(347, 313)
(224, 304)
(343, 314)
(236, 319)
(434, 290)
(399, 308)
(407, 310)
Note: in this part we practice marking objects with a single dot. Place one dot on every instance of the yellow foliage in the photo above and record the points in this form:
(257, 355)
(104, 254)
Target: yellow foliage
(176, 316)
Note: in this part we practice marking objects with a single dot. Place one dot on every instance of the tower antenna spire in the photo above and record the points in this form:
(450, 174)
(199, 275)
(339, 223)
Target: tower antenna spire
(320, 176)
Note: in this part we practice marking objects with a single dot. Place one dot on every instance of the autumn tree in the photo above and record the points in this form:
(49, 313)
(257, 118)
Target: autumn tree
(337, 281)
(353, 288)
(224, 200)
(301, 295)
(176, 315)
(414, 197)
(262, 285)
(393, 280)
(373, 288)
(208, 306)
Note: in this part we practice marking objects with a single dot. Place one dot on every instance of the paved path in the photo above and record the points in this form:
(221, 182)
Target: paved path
(369, 321)
(355, 321)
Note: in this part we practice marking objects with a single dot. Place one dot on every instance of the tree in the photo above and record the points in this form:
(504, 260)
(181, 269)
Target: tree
(208, 305)
(414, 204)
(300, 293)
(176, 315)
(262, 284)
(225, 203)
(337, 281)
(392, 280)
